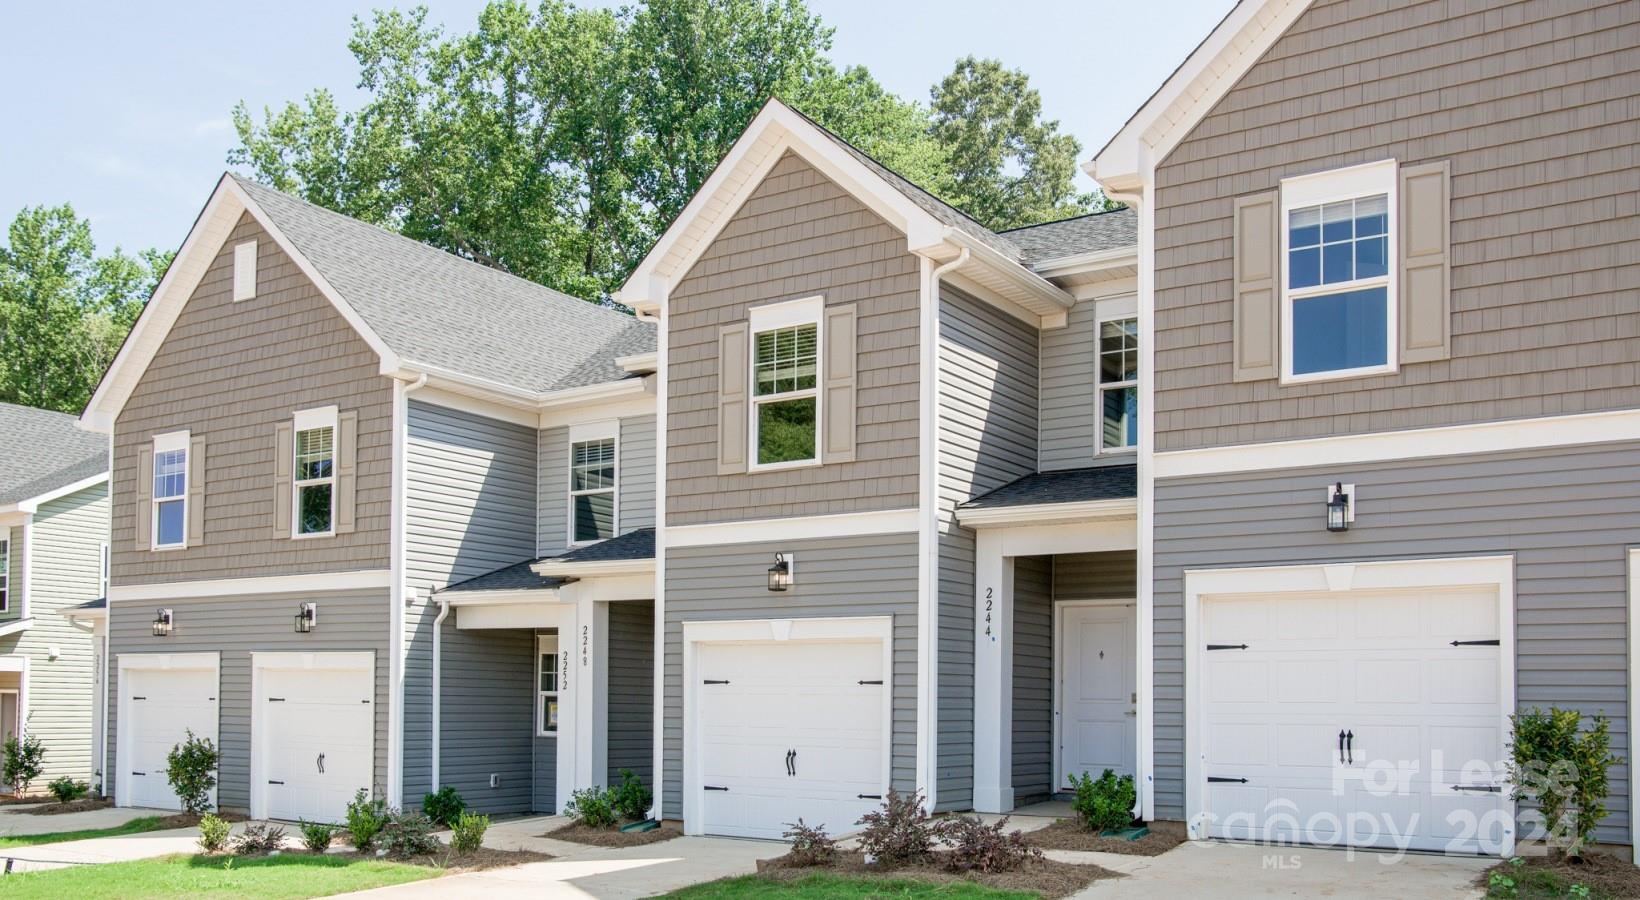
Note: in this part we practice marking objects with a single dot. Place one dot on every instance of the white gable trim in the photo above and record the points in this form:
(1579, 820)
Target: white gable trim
(1211, 70)
(205, 240)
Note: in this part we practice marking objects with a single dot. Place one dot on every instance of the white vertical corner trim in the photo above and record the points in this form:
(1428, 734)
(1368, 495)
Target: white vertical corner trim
(658, 761)
(244, 270)
(993, 674)
(1634, 694)
(1145, 600)
(398, 591)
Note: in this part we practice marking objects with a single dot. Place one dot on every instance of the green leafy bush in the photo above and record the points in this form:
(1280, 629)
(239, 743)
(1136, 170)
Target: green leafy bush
(900, 832)
(190, 767)
(316, 836)
(67, 790)
(1106, 803)
(259, 838)
(811, 845)
(593, 807)
(365, 820)
(467, 834)
(409, 834)
(213, 833)
(444, 806)
(1562, 768)
(978, 847)
(24, 760)
(631, 798)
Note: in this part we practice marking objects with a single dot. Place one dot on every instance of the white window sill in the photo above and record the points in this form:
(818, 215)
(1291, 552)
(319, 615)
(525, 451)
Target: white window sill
(785, 466)
(312, 535)
(158, 548)
(546, 734)
(1340, 374)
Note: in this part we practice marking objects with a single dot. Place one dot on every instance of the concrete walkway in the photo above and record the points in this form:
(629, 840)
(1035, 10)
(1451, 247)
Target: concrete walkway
(104, 849)
(13, 821)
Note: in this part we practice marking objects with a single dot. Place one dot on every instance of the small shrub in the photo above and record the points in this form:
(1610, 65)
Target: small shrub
(316, 836)
(259, 838)
(1106, 803)
(24, 760)
(1561, 767)
(900, 832)
(213, 833)
(67, 790)
(631, 798)
(467, 834)
(592, 807)
(409, 834)
(190, 767)
(365, 820)
(444, 806)
(811, 845)
(978, 847)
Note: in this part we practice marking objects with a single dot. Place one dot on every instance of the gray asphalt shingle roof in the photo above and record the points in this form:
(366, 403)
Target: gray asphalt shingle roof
(1068, 486)
(1083, 234)
(516, 577)
(41, 451)
(638, 543)
(437, 309)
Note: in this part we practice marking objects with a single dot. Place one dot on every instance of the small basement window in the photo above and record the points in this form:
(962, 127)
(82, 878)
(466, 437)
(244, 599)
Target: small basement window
(551, 669)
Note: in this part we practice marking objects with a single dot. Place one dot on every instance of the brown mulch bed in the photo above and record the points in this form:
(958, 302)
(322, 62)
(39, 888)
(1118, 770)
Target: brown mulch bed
(72, 806)
(14, 800)
(1043, 876)
(614, 837)
(189, 820)
(1069, 834)
(1603, 870)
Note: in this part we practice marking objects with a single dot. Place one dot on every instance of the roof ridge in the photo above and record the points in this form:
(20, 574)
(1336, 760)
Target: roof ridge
(1086, 215)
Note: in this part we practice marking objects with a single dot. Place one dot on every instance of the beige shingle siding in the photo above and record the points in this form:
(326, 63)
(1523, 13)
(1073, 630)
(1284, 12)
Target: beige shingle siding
(228, 372)
(1536, 105)
(798, 235)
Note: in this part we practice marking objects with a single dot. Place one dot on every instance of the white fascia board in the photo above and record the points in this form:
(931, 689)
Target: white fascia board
(363, 579)
(89, 615)
(32, 504)
(1035, 293)
(1084, 263)
(1049, 513)
(624, 397)
(15, 626)
(638, 363)
(468, 599)
(551, 568)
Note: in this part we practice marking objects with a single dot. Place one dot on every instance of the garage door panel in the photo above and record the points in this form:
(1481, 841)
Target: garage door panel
(1229, 619)
(1238, 681)
(314, 738)
(163, 705)
(1465, 682)
(1305, 621)
(1307, 680)
(1395, 679)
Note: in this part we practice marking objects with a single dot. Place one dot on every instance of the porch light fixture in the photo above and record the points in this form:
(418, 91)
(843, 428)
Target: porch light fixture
(162, 623)
(1339, 509)
(307, 616)
(780, 574)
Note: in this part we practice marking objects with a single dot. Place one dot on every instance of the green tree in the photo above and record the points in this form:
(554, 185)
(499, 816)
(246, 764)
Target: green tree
(64, 310)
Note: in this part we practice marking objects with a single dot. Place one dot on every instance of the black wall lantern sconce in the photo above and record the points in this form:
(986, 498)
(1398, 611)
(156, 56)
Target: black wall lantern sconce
(162, 623)
(1340, 506)
(780, 574)
(307, 616)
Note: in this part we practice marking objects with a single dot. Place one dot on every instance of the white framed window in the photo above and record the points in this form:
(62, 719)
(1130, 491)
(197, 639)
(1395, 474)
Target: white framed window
(5, 575)
(785, 359)
(593, 475)
(549, 679)
(314, 473)
(1338, 310)
(1118, 383)
(170, 512)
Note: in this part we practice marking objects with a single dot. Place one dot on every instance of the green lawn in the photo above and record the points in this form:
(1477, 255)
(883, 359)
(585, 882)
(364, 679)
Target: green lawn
(135, 826)
(830, 887)
(289, 875)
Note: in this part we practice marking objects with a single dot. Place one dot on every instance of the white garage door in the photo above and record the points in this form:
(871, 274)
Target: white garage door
(314, 735)
(160, 707)
(790, 729)
(1370, 719)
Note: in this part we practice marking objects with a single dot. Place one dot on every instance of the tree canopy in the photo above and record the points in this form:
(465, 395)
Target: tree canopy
(557, 143)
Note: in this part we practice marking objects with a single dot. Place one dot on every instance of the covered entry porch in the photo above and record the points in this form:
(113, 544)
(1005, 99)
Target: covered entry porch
(1058, 661)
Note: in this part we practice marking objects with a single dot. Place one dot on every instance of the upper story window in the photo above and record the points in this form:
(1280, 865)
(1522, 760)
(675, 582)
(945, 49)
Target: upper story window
(1118, 384)
(5, 575)
(314, 483)
(170, 512)
(785, 384)
(592, 477)
(1338, 307)
(548, 679)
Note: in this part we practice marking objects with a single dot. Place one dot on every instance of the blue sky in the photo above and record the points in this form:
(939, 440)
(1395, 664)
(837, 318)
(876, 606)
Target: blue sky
(122, 108)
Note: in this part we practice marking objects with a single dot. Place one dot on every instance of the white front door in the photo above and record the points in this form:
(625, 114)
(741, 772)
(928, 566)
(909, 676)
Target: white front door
(314, 737)
(1097, 693)
(8, 716)
(789, 730)
(161, 706)
(1366, 718)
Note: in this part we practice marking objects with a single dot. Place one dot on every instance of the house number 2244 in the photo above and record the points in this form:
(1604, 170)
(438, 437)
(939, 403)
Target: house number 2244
(990, 604)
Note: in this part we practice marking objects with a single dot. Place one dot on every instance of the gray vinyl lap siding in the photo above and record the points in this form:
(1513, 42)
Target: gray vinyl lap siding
(1537, 107)
(637, 472)
(798, 235)
(873, 575)
(1032, 775)
(1568, 516)
(234, 627)
(227, 372)
(987, 438)
(634, 483)
(1070, 401)
(631, 697)
(488, 711)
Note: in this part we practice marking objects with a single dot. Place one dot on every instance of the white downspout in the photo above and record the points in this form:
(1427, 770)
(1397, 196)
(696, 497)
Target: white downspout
(438, 660)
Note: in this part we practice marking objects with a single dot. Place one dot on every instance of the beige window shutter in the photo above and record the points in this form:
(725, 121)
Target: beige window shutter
(284, 462)
(733, 395)
(196, 491)
(347, 482)
(1257, 334)
(842, 355)
(145, 498)
(1426, 279)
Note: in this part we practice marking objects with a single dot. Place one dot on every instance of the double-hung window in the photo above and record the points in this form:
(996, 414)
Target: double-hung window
(5, 575)
(592, 488)
(1338, 287)
(1118, 384)
(785, 384)
(549, 679)
(314, 484)
(170, 512)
